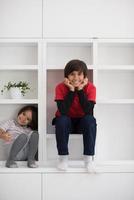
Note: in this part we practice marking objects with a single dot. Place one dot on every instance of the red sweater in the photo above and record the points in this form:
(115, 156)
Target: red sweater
(75, 110)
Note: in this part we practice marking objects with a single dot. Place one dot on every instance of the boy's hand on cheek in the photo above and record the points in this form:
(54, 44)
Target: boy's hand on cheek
(68, 84)
(83, 84)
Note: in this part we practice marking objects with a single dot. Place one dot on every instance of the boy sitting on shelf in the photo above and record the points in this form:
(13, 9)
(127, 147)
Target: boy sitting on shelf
(75, 98)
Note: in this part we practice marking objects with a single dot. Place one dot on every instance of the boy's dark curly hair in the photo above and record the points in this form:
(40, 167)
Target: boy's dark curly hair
(75, 65)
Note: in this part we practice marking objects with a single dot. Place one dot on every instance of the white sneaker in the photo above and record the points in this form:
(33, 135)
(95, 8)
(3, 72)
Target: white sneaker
(90, 167)
(89, 164)
(63, 163)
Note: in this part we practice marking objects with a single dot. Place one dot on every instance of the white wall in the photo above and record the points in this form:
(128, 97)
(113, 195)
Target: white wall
(20, 18)
(61, 18)
(88, 18)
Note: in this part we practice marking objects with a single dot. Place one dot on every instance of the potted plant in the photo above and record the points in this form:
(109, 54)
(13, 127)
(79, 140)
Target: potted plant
(17, 90)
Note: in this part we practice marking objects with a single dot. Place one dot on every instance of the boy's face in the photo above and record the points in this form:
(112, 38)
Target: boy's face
(76, 78)
(25, 118)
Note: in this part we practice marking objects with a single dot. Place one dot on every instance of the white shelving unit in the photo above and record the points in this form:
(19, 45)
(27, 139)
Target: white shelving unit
(20, 59)
(111, 69)
(57, 53)
(115, 100)
(111, 65)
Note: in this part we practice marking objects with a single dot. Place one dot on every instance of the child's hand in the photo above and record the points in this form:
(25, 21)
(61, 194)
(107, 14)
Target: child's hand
(68, 84)
(83, 84)
(6, 137)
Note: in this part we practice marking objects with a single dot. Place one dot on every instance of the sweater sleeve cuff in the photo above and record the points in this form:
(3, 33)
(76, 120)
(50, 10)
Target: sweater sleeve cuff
(71, 93)
(80, 92)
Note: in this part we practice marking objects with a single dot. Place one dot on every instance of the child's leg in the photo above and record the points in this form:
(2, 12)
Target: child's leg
(17, 146)
(63, 127)
(32, 149)
(88, 126)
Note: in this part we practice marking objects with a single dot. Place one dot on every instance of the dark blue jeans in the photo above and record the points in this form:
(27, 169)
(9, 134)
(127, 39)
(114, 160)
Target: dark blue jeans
(65, 125)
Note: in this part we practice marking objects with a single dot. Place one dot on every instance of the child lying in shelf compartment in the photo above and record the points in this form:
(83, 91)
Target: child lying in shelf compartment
(21, 134)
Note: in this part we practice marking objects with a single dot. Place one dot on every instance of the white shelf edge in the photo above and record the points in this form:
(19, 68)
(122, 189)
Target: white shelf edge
(115, 40)
(97, 67)
(18, 101)
(115, 101)
(19, 40)
(71, 136)
(69, 40)
(74, 167)
(52, 67)
(19, 67)
(115, 67)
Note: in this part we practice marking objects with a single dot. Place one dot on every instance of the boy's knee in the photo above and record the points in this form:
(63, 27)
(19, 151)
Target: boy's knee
(89, 119)
(63, 119)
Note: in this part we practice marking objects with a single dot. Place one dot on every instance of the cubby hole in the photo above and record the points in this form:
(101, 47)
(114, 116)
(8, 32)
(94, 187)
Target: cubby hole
(115, 132)
(58, 54)
(18, 53)
(9, 111)
(116, 53)
(30, 76)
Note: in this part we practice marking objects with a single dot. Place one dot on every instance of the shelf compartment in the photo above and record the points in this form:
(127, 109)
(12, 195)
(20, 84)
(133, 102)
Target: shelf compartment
(15, 76)
(115, 138)
(58, 54)
(53, 78)
(74, 153)
(115, 84)
(18, 53)
(8, 111)
(115, 53)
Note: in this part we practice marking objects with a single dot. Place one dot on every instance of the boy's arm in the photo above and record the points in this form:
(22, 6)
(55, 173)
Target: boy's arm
(64, 105)
(87, 105)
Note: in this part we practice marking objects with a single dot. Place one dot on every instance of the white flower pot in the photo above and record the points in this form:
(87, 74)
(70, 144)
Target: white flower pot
(15, 93)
